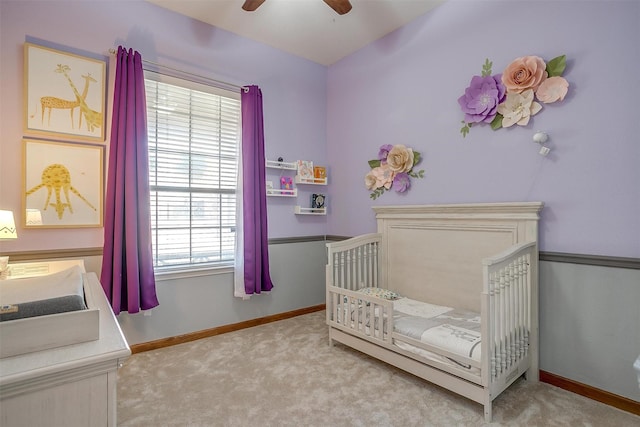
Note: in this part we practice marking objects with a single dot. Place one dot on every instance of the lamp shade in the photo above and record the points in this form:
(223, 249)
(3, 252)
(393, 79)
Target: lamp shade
(7, 226)
(33, 217)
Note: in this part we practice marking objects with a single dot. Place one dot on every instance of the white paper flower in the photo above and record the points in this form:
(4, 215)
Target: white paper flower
(518, 108)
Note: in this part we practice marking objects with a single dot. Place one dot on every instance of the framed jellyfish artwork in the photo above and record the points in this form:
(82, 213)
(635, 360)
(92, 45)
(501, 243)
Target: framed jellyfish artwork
(63, 184)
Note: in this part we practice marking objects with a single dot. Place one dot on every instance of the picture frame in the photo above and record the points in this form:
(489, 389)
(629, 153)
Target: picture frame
(305, 169)
(62, 184)
(318, 201)
(64, 95)
(286, 185)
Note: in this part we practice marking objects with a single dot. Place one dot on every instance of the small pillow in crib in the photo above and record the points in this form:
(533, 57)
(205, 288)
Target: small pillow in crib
(380, 293)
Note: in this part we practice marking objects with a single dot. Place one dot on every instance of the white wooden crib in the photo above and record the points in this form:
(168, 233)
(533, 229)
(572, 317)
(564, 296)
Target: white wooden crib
(482, 258)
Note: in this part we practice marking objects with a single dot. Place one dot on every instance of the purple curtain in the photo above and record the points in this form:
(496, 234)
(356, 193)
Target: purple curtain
(256, 242)
(127, 263)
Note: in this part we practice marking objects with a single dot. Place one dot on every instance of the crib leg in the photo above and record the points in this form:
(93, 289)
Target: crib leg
(487, 412)
(330, 339)
(533, 373)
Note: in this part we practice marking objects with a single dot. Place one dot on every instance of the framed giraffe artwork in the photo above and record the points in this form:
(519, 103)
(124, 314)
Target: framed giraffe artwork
(63, 184)
(64, 94)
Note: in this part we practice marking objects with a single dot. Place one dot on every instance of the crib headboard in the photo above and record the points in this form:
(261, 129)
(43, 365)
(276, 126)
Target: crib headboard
(434, 252)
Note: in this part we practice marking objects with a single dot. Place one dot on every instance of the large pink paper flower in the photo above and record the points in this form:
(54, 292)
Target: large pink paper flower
(526, 72)
(370, 181)
(383, 176)
(518, 108)
(552, 89)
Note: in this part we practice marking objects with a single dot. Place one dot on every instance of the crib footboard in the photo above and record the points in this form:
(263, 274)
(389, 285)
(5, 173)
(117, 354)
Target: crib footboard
(353, 264)
(366, 317)
(509, 313)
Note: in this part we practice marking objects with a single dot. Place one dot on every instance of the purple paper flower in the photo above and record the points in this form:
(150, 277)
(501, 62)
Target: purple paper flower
(401, 182)
(384, 152)
(480, 100)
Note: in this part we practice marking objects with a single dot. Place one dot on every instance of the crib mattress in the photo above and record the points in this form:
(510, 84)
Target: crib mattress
(40, 296)
(454, 330)
(54, 310)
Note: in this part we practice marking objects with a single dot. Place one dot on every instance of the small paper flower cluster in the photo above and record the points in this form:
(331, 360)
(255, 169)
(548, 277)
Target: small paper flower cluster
(510, 98)
(392, 169)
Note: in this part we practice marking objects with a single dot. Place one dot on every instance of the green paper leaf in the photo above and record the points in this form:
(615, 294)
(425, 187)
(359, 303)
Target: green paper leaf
(377, 193)
(465, 129)
(486, 68)
(374, 163)
(497, 122)
(419, 174)
(556, 66)
(416, 158)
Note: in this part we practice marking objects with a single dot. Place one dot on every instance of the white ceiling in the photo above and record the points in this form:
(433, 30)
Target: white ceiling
(307, 28)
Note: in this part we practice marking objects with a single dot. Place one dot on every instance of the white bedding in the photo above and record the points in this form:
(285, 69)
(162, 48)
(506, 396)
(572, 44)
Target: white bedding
(456, 331)
(453, 330)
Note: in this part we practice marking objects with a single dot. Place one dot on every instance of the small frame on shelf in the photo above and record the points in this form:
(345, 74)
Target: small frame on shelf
(318, 201)
(299, 210)
(319, 172)
(305, 169)
(276, 164)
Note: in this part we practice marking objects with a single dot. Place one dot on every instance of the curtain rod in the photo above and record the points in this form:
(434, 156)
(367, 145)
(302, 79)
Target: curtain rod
(224, 85)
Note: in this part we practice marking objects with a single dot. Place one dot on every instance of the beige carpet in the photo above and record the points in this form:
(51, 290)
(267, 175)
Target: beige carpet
(285, 374)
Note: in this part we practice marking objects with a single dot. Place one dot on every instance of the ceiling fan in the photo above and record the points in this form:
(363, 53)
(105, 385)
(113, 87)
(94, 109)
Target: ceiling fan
(340, 6)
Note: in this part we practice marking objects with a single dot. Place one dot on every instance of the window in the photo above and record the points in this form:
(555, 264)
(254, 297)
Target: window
(193, 162)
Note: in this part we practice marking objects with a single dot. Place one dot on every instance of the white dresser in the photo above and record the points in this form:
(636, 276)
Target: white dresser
(72, 385)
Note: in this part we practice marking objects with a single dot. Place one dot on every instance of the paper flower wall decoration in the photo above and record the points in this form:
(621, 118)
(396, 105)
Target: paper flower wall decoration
(392, 169)
(503, 100)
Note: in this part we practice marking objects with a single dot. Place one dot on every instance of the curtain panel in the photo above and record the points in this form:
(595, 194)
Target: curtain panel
(252, 258)
(127, 275)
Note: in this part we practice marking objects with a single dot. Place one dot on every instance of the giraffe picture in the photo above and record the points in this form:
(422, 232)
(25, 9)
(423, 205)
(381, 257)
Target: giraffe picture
(64, 182)
(65, 94)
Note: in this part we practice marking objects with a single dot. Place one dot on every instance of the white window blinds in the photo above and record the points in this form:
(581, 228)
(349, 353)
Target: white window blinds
(193, 139)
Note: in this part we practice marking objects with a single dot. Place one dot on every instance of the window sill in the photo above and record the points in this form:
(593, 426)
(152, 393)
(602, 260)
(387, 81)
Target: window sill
(187, 272)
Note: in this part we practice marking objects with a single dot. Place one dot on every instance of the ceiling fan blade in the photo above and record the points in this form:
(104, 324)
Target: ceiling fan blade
(251, 5)
(340, 6)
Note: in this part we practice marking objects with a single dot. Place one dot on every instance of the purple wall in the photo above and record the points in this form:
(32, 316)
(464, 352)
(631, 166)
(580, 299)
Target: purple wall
(294, 91)
(404, 89)
(400, 89)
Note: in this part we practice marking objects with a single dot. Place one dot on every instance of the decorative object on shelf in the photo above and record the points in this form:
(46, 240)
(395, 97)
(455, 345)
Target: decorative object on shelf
(503, 100)
(317, 201)
(319, 173)
(393, 168)
(269, 185)
(286, 184)
(305, 169)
